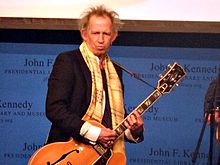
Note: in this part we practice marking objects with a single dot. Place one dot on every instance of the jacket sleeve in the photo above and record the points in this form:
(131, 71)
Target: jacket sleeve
(61, 85)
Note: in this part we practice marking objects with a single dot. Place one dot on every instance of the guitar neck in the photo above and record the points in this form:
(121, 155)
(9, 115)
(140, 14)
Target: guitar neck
(141, 109)
(165, 85)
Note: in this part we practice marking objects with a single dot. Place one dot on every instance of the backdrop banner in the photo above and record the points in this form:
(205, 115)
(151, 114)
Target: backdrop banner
(172, 124)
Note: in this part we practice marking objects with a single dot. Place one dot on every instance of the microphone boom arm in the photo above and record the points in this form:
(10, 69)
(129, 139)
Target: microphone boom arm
(132, 74)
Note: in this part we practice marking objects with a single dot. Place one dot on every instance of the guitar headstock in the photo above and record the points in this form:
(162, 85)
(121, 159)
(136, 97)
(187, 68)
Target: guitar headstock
(171, 78)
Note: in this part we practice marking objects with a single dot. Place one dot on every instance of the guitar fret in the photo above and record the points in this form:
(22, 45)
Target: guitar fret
(142, 108)
(120, 129)
(148, 102)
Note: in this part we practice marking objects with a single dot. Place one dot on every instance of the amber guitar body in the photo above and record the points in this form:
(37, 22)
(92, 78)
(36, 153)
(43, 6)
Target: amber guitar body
(75, 153)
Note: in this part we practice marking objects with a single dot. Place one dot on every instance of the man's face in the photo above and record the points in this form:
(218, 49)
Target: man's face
(99, 35)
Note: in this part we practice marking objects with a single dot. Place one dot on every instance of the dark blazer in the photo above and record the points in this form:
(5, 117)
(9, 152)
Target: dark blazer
(68, 95)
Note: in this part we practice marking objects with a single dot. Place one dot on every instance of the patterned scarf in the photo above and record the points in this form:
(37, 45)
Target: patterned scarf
(95, 108)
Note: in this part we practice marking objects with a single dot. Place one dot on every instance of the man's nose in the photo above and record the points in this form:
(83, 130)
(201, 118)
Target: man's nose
(101, 38)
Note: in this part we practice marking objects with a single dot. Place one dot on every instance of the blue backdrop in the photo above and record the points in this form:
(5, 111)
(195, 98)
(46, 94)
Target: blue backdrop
(172, 124)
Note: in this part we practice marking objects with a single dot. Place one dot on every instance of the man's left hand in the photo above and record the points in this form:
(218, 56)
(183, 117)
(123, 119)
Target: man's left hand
(135, 123)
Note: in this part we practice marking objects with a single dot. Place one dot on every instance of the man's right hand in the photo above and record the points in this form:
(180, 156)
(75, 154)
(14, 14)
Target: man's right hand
(107, 137)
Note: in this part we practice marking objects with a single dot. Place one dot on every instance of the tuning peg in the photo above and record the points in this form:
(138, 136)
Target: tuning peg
(177, 85)
(161, 76)
(169, 65)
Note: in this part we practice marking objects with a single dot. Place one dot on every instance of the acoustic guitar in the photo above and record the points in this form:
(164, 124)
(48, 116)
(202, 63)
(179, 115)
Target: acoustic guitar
(73, 152)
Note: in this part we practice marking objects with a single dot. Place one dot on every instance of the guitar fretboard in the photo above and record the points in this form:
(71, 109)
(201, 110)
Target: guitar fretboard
(165, 85)
(141, 109)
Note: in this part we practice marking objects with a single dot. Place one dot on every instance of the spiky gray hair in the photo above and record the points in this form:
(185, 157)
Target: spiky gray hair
(100, 11)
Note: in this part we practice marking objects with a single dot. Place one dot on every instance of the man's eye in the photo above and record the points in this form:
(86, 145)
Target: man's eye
(107, 34)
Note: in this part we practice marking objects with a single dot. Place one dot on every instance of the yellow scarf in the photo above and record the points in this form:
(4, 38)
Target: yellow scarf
(95, 108)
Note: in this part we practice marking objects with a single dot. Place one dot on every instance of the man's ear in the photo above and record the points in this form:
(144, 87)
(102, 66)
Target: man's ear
(114, 36)
(83, 33)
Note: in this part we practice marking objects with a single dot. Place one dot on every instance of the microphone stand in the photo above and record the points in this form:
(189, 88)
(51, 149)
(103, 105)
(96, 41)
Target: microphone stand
(212, 122)
(195, 153)
(212, 127)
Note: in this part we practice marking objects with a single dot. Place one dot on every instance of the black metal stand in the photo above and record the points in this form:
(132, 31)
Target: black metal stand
(211, 138)
(212, 123)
